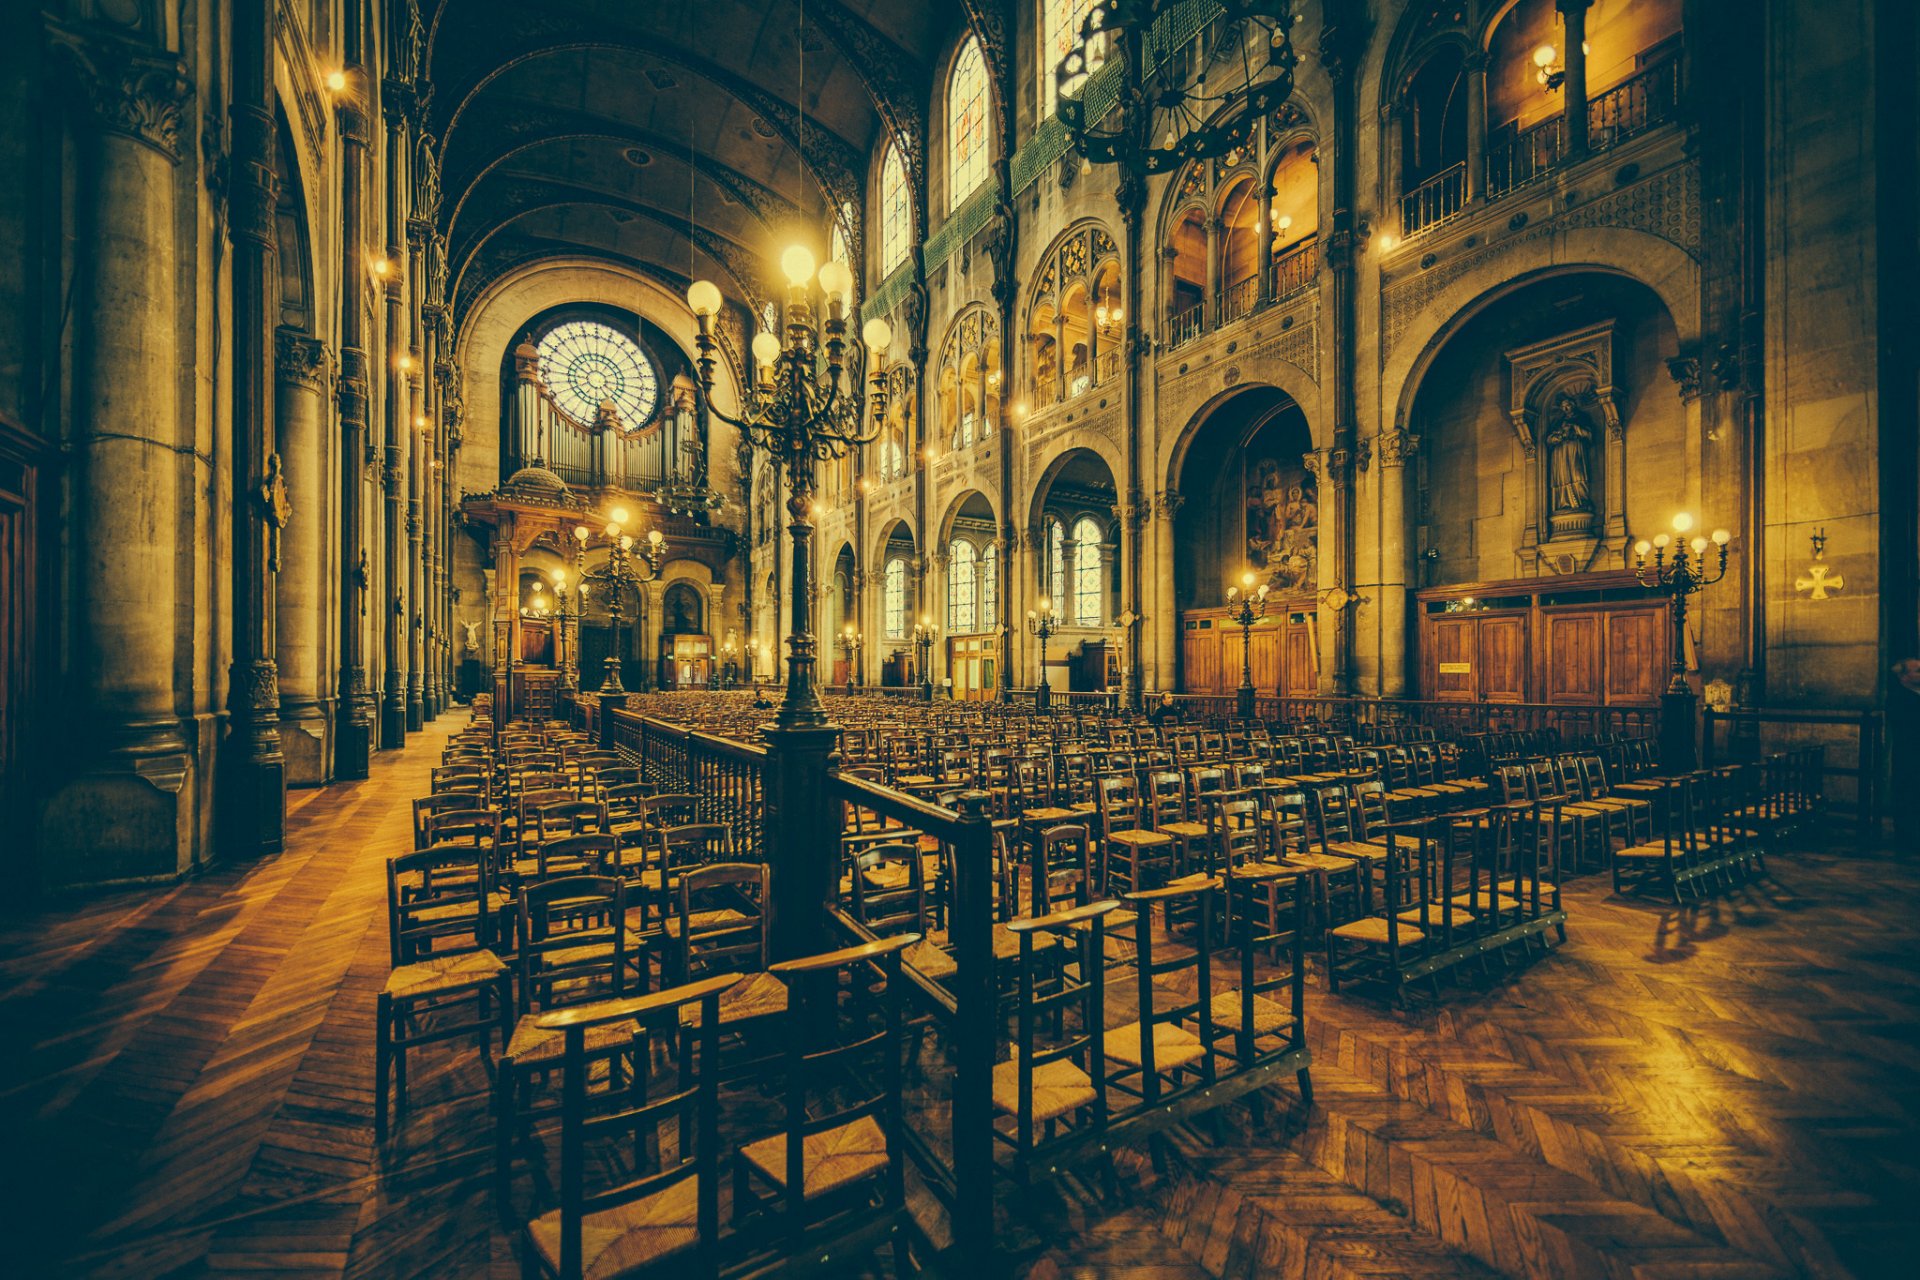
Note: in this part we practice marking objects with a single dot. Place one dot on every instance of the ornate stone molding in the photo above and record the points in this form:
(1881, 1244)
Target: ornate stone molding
(1685, 372)
(1167, 504)
(300, 359)
(1396, 448)
(127, 88)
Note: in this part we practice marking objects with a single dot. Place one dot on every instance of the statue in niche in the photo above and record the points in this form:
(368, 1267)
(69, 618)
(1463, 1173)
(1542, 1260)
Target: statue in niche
(473, 636)
(1567, 437)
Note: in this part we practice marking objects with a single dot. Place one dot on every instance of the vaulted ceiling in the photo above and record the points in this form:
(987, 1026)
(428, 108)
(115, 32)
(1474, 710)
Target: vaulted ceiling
(670, 135)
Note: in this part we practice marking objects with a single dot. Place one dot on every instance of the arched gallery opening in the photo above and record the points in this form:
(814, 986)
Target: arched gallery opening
(1074, 533)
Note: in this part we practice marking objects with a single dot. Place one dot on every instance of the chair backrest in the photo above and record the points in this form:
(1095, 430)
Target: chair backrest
(888, 888)
(1163, 978)
(1060, 1017)
(1062, 868)
(588, 853)
(1119, 800)
(1234, 833)
(1288, 823)
(1332, 814)
(693, 1109)
(722, 914)
(1267, 910)
(437, 895)
(573, 940)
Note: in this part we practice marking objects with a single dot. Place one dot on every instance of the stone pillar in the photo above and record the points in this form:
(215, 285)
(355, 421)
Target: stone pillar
(1393, 149)
(1267, 233)
(300, 375)
(122, 810)
(1211, 312)
(353, 713)
(1616, 460)
(399, 357)
(1391, 453)
(1573, 89)
(1476, 176)
(1329, 621)
(1162, 670)
(506, 621)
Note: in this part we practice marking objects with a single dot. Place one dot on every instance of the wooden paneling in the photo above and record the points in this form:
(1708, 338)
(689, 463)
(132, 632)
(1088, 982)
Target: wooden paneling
(1637, 655)
(1284, 654)
(1573, 658)
(1302, 666)
(1265, 656)
(1455, 659)
(1200, 668)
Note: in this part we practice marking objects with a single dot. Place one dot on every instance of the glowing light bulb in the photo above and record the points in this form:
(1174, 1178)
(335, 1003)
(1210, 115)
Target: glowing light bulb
(1661, 540)
(836, 280)
(381, 266)
(626, 542)
(653, 536)
(336, 81)
(1641, 548)
(1284, 223)
(1387, 243)
(703, 298)
(618, 515)
(559, 577)
(1721, 537)
(766, 348)
(1544, 56)
(1699, 545)
(581, 532)
(1682, 522)
(877, 333)
(797, 264)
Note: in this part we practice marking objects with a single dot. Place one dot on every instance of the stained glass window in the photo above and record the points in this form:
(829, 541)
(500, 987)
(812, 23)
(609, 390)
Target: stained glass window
(1088, 590)
(896, 212)
(989, 587)
(1060, 32)
(896, 599)
(966, 124)
(585, 363)
(1057, 568)
(962, 582)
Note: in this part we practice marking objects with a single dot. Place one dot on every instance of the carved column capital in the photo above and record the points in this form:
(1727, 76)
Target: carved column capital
(1168, 504)
(127, 87)
(299, 359)
(1396, 448)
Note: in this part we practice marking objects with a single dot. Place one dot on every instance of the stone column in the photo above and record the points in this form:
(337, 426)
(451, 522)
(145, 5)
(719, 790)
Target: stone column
(1211, 312)
(506, 621)
(353, 713)
(1391, 453)
(1616, 462)
(1476, 176)
(1573, 90)
(123, 810)
(1266, 243)
(400, 362)
(1329, 621)
(1161, 671)
(1393, 149)
(300, 376)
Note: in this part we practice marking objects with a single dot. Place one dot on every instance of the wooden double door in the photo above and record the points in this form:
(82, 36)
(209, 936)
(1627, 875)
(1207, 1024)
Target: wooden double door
(973, 663)
(1597, 643)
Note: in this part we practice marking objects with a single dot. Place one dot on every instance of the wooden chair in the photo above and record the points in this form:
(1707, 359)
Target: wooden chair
(720, 925)
(664, 1220)
(574, 946)
(833, 1178)
(1263, 1017)
(437, 924)
(1380, 945)
(887, 889)
(1666, 863)
(1131, 854)
(1156, 1049)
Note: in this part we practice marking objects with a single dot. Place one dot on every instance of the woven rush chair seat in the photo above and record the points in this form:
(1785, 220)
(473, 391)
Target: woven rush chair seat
(445, 973)
(595, 950)
(1374, 929)
(1059, 1088)
(704, 920)
(1436, 912)
(1269, 1018)
(640, 1233)
(1006, 943)
(930, 960)
(757, 995)
(530, 1044)
(1172, 1046)
(1140, 839)
(1049, 813)
(1184, 830)
(497, 900)
(830, 1160)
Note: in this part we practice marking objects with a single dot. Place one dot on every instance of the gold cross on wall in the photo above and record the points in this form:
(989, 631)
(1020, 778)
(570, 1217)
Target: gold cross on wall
(1818, 582)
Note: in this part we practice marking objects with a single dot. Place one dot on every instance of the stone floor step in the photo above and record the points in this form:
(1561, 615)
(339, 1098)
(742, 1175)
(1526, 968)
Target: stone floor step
(1508, 1209)
(1245, 1211)
(1686, 1164)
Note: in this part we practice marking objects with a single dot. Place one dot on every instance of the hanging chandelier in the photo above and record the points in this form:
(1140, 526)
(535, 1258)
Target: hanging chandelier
(804, 407)
(1160, 117)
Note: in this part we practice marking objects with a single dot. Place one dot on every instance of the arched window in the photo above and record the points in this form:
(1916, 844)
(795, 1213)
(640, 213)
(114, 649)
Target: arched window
(1057, 568)
(989, 587)
(586, 364)
(893, 457)
(969, 376)
(966, 124)
(896, 212)
(1089, 592)
(1060, 22)
(895, 599)
(962, 584)
(837, 250)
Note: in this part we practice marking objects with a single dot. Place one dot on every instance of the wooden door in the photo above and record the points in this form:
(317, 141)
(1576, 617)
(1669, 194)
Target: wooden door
(1265, 657)
(1200, 665)
(1301, 665)
(1503, 659)
(1456, 659)
(1573, 667)
(1637, 655)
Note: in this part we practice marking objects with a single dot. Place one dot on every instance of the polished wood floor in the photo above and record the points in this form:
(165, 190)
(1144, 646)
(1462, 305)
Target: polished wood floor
(1725, 1091)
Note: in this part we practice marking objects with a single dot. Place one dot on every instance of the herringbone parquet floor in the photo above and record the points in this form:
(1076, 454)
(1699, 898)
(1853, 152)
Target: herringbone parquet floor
(1726, 1091)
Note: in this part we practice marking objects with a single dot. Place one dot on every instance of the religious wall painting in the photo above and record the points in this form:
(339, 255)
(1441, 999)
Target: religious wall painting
(1282, 524)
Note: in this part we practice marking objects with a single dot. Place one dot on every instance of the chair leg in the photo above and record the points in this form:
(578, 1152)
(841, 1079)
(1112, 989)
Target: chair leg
(503, 1104)
(382, 1060)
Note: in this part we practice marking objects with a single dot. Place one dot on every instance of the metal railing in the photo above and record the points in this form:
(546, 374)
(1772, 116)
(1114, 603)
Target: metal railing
(1295, 269)
(1575, 723)
(1434, 201)
(1758, 731)
(1238, 298)
(1644, 101)
(1516, 159)
(1184, 326)
(728, 776)
(1107, 367)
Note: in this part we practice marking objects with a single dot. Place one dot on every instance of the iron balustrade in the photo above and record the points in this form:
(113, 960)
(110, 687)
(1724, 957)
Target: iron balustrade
(1238, 298)
(1184, 326)
(1434, 201)
(1514, 159)
(1295, 269)
(1745, 732)
(1644, 101)
(729, 777)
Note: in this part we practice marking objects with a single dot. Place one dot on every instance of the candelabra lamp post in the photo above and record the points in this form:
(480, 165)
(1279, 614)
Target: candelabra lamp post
(1246, 608)
(629, 564)
(923, 635)
(564, 685)
(804, 407)
(1123, 642)
(1679, 574)
(850, 642)
(1040, 626)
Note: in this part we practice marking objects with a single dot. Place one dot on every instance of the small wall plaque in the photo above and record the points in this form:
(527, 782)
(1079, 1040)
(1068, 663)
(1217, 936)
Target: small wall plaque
(1456, 668)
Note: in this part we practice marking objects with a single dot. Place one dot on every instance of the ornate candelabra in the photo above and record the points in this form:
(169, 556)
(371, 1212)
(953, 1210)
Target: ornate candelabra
(629, 563)
(1246, 608)
(1040, 626)
(565, 658)
(801, 412)
(923, 636)
(1678, 576)
(850, 642)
